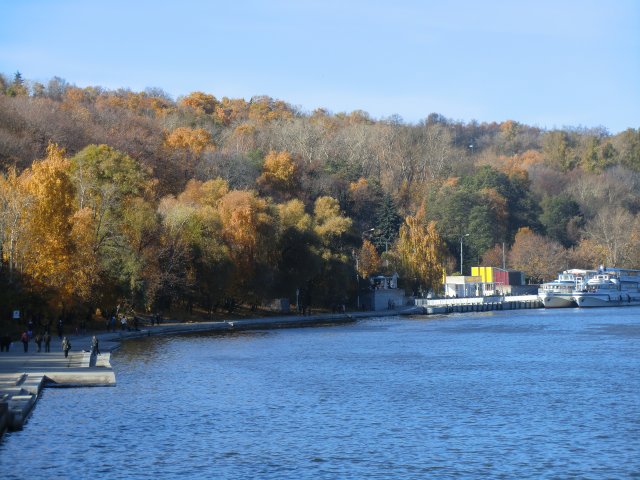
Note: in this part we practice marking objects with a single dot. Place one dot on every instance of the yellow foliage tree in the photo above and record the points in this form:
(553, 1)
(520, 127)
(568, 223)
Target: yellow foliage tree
(421, 252)
(50, 260)
(368, 260)
(85, 260)
(204, 193)
(279, 173)
(292, 215)
(329, 223)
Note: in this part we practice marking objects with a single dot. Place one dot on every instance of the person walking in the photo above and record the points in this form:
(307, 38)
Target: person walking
(66, 346)
(95, 349)
(60, 327)
(5, 342)
(38, 340)
(47, 341)
(24, 338)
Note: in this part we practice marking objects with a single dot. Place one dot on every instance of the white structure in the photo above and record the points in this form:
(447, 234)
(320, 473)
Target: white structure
(384, 293)
(460, 286)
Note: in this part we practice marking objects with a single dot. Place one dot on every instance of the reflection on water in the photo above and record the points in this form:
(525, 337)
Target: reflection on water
(524, 394)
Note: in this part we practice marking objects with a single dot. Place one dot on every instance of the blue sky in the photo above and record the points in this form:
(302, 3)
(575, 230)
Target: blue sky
(549, 63)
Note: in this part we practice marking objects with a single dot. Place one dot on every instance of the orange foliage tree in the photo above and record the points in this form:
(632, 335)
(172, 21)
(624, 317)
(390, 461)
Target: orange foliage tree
(199, 102)
(368, 260)
(194, 140)
(539, 257)
(279, 173)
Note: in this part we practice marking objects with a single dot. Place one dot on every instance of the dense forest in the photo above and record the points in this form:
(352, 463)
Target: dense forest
(118, 197)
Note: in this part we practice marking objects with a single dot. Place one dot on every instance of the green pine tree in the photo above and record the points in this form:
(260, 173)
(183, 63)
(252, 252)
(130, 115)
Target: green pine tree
(387, 224)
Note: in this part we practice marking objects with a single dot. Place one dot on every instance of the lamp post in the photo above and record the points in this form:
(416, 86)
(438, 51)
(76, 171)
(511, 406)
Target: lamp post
(461, 237)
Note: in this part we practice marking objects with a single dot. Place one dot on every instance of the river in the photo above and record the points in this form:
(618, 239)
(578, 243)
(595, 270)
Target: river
(510, 394)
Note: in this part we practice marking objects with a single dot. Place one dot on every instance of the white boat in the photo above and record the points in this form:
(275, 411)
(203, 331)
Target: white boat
(610, 287)
(560, 292)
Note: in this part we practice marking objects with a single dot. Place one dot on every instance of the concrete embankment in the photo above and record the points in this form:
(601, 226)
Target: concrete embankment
(24, 375)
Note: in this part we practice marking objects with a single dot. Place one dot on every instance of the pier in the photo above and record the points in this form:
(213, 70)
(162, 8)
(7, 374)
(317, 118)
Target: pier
(477, 304)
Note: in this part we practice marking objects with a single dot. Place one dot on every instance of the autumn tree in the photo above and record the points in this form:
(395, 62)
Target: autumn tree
(421, 252)
(192, 140)
(368, 260)
(616, 232)
(538, 257)
(559, 151)
(279, 174)
(330, 226)
(493, 257)
(14, 206)
(299, 261)
(248, 230)
(199, 102)
(48, 250)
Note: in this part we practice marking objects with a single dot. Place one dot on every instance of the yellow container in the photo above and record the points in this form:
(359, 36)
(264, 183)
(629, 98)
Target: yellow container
(486, 273)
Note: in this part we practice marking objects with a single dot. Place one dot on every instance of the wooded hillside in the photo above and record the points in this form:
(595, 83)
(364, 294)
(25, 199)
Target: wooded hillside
(120, 196)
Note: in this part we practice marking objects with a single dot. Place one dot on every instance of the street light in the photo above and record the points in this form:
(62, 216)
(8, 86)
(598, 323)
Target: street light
(461, 237)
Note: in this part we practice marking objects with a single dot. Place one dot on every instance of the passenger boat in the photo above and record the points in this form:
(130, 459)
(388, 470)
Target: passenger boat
(560, 292)
(610, 287)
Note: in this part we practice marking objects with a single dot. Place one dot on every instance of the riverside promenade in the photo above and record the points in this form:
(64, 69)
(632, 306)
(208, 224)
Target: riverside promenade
(24, 375)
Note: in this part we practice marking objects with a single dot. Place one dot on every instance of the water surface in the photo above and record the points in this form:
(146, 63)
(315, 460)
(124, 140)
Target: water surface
(524, 394)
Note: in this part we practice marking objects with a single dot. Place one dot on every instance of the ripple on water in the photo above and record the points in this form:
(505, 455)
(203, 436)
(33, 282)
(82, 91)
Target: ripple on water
(527, 394)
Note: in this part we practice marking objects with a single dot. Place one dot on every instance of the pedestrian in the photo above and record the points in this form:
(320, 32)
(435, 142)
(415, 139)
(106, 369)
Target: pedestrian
(5, 342)
(60, 327)
(39, 342)
(24, 338)
(112, 323)
(66, 346)
(47, 341)
(95, 349)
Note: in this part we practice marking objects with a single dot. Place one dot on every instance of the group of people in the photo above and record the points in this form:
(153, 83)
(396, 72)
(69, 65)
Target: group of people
(38, 339)
(26, 337)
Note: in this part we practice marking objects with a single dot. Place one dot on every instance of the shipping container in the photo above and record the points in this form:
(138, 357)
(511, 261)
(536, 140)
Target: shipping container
(516, 277)
(501, 277)
(498, 275)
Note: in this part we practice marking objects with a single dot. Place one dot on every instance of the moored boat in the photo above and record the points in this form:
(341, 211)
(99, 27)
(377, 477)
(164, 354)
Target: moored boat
(560, 292)
(610, 287)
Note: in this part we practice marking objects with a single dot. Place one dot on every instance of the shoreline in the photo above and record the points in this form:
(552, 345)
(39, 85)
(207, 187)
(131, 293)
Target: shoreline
(24, 375)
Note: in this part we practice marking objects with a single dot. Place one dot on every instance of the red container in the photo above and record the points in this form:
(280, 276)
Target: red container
(500, 277)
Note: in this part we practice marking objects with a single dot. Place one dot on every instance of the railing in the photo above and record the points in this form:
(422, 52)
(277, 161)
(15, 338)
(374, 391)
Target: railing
(495, 299)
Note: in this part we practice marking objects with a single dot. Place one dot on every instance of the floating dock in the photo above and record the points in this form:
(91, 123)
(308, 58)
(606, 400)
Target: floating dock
(477, 304)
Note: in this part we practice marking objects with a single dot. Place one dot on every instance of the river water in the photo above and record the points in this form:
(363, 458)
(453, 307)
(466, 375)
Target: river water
(519, 394)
